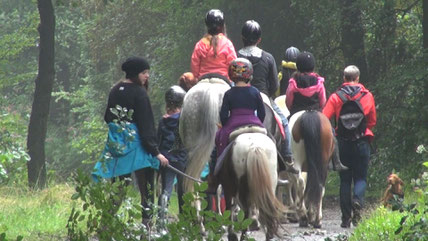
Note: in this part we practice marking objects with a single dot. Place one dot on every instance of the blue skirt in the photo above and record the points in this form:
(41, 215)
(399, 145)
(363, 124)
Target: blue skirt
(123, 153)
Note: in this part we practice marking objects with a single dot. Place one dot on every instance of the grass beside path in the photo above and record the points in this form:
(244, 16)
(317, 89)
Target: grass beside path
(35, 215)
(43, 215)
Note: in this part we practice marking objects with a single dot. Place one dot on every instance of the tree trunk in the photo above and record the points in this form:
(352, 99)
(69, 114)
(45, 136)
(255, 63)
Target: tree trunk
(42, 96)
(353, 37)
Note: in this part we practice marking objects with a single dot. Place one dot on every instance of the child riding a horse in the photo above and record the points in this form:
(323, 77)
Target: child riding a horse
(214, 52)
(266, 81)
(239, 103)
(288, 68)
(306, 91)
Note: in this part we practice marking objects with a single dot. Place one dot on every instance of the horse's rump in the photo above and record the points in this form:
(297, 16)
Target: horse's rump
(198, 119)
(255, 159)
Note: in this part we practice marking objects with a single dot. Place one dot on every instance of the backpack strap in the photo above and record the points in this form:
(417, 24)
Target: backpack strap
(342, 95)
(344, 98)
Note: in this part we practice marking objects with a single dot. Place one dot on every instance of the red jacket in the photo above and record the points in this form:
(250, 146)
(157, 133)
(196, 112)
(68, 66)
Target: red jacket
(334, 105)
(203, 60)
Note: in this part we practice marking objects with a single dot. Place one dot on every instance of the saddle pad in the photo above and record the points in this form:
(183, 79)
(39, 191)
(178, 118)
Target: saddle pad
(246, 129)
(213, 81)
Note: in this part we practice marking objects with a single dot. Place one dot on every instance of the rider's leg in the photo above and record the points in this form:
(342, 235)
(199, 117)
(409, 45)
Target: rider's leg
(286, 144)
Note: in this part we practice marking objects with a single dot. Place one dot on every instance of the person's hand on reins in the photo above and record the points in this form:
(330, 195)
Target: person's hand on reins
(163, 161)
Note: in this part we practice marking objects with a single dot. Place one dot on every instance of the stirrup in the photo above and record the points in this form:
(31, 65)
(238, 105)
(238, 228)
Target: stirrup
(290, 167)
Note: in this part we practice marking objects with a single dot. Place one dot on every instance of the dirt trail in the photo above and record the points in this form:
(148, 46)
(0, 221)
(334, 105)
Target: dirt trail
(330, 226)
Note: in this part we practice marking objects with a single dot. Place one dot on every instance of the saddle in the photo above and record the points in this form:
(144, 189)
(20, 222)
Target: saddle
(232, 136)
(213, 78)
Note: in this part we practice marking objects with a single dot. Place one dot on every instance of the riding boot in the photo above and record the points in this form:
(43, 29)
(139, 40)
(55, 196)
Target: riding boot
(289, 163)
(211, 178)
(335, 158)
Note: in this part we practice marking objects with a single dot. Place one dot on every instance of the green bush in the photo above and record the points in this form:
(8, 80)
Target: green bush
(406, 220)
(109, 211)
(13, 157)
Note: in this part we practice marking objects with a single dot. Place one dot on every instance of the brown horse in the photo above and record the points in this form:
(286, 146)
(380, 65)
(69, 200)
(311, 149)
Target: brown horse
(312, 146)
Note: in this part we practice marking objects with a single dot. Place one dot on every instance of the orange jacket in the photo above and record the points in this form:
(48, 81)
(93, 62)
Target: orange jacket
(203, 60)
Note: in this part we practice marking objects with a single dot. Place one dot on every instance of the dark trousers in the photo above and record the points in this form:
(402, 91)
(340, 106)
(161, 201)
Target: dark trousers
(167, 177)
(145, 181)
(355, 155)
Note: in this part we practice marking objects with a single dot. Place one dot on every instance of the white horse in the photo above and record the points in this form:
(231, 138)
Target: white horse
(287, 194)
(198, 124)
(248, 175)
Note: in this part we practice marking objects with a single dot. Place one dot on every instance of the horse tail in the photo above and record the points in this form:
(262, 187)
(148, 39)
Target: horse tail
(199, 116)
(311, 128)
(261, 189)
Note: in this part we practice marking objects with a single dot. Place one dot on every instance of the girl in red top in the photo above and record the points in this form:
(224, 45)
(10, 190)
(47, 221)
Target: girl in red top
(214, 52)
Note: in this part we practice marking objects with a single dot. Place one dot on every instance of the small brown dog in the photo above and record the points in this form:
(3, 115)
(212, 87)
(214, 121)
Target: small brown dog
(395, 187)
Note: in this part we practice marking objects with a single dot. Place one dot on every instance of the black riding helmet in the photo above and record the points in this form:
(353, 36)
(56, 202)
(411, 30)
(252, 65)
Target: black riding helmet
(251, 32)
(305, 62)
(291, 54)
(214, 21)
(174, 96)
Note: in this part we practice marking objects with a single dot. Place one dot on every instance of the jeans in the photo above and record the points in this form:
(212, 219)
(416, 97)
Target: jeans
(286, 146)
(167, 177)
(355, 155)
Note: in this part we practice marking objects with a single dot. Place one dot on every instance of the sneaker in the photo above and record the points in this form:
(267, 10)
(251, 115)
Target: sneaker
(356, 213)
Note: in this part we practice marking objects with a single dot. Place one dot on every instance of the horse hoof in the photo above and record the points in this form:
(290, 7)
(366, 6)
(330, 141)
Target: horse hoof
(284, 220)
(293, 218)
(232, 237)
(303, 223)
(254, 226)
(317, 225)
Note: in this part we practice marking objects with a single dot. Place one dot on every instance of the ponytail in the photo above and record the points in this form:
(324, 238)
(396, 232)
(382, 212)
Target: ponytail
(214, 43)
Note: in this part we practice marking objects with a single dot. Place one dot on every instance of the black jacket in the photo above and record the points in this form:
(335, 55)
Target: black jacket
(133, 96)
(265, 76)
(170, 144)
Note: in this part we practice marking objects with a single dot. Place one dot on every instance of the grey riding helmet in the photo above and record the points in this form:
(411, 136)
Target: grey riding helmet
(174, 96)
(291, 54)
